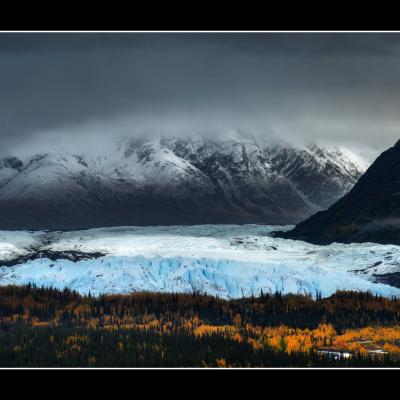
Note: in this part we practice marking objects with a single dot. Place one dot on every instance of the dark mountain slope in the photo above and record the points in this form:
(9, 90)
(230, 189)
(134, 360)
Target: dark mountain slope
(369, 212)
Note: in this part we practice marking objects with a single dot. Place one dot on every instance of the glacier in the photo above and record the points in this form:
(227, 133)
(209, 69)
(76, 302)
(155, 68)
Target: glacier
(229, 261)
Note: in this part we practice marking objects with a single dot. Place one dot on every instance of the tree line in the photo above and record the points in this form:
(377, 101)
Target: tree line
(44, 327)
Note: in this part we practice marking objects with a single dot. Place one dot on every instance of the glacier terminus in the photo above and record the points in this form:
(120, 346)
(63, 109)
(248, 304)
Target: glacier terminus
(229, 261)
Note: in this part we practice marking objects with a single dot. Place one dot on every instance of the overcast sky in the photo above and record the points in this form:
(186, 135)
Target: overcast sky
(82, 90)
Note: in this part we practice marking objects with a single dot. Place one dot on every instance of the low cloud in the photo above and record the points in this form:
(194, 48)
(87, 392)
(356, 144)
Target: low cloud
(81, 91)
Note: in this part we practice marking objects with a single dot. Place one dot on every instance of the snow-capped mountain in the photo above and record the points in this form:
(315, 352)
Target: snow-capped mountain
(369, 212)
(321, 174)
(175, 181)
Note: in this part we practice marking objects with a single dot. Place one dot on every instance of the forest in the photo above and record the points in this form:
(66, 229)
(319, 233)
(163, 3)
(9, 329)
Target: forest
(44, 327)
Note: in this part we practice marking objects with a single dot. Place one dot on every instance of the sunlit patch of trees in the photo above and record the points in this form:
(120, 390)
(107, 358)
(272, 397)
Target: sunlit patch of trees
(48, 327)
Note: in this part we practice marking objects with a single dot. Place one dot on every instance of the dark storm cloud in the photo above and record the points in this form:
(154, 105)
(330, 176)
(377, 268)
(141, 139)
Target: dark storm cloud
(253, 42)
(69, 88)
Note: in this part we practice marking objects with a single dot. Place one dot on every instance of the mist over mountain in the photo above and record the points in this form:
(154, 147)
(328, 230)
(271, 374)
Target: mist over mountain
(62, 88)
(171, 180)
(232, 128)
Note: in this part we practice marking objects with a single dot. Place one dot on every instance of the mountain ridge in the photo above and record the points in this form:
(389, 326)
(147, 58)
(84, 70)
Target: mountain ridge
(369, 212)
(175, 181)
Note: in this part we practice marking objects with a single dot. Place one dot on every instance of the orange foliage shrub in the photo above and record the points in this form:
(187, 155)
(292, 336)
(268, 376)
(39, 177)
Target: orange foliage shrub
(221, 362)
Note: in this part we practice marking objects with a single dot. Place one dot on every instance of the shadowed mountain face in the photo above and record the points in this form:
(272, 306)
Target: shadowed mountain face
(175, 181)
(369, 212)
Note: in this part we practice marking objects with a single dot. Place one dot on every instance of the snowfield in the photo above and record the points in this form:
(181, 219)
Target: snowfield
(229, 261)
(14, 244)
